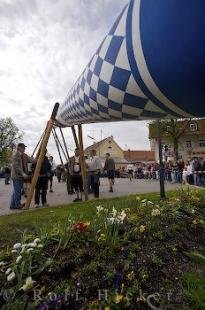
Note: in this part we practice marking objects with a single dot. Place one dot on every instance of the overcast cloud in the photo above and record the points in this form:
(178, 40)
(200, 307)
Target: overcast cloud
(44, 47)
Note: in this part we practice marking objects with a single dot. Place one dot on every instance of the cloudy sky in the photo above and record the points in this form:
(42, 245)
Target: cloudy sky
(44, 47)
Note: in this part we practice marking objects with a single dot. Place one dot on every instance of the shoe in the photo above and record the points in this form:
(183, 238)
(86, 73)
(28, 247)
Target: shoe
(77, 199)
(111, 190)
(36, 206)
(51, 191)
(45, 205)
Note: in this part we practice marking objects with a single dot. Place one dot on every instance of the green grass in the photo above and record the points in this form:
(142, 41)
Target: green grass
(13, 225)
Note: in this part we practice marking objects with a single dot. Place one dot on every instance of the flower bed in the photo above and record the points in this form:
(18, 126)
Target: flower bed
(143, 255)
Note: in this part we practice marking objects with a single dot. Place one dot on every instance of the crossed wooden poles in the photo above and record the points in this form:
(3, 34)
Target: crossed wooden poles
(42, 145)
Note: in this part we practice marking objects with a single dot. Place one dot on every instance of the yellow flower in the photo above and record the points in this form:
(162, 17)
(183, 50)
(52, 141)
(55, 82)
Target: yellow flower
(122, 288)
(127, 210)
(142, 228)
(118, 298)
(131, 275)
(155, 212)
(194, 222)
(138, 198)
(102, 237)
(107, 308)
(201, 221)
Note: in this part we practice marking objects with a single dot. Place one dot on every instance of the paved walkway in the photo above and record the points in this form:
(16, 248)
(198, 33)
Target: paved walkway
(122, 187)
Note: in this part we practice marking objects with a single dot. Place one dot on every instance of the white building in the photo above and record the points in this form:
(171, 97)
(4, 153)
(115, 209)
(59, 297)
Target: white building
(191, 143)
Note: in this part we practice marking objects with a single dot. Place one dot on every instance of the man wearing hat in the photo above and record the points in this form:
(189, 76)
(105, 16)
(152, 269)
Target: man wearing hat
(18, 175)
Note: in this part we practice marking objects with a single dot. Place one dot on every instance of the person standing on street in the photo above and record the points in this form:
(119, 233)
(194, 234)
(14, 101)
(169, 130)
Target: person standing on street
(94, 168)
(42, 184)
(110, 168)
(76, 175)
(18, 176)
(130, 171)
(53, 168)
(7, 172)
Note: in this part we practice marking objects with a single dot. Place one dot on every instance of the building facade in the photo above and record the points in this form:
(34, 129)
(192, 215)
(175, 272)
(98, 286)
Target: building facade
(191, 142)
(122, 158)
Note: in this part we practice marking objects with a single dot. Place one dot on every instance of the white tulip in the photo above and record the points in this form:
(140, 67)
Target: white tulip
(11, 276)
(19, 258)
(17, 246)
(37, 240)
(2, 264)
(150, 202)
(28, 284)
(32, 245)
(14, 251)
(111, 220)
(9, 270)
(99, 208)
(29, 250)
(23, 248)
(114, 212)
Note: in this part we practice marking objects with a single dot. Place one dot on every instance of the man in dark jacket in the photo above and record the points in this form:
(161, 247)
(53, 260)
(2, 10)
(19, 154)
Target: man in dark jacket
(42, 183)
(110, 168)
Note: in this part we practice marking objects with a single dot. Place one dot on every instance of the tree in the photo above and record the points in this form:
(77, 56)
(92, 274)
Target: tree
(10, 135)
(175, 130)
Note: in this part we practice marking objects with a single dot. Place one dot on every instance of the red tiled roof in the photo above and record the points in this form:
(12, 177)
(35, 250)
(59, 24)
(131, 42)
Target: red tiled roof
(143, 156)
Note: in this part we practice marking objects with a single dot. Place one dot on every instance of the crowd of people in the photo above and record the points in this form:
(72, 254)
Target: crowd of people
(192, 172)
(23, 166)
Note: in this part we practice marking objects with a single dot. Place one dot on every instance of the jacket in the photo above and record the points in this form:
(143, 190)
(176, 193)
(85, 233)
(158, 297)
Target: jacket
(17, 166)
(109, 164)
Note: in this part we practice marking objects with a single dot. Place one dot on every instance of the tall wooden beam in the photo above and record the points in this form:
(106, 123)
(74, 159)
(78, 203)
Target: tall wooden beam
(41, 155)
(64, 142)
(59, 143)
(75, 136)
(57, 146)
(82, 160)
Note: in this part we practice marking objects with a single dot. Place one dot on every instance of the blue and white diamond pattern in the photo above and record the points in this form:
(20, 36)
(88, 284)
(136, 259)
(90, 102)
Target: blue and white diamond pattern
(107, 90)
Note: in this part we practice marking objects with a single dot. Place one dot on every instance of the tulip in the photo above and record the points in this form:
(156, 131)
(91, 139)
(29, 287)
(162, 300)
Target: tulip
(29, 250)
(156, 212)
(11, 276)
(19, 258)
(8, 271)
(118, 298)
(28, 284)
(17, 246)
(142, 228)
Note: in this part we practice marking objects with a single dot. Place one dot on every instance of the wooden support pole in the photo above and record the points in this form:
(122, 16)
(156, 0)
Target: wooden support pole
(60, 145)
(57, 145)
(161, 165)
(41, 155)
(82, 160)
(39, 141)
(75, 136)
(65, 145)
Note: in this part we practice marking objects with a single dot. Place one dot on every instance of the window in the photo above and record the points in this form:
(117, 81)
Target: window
(188, 144)
(202, 143)
(193, 127)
